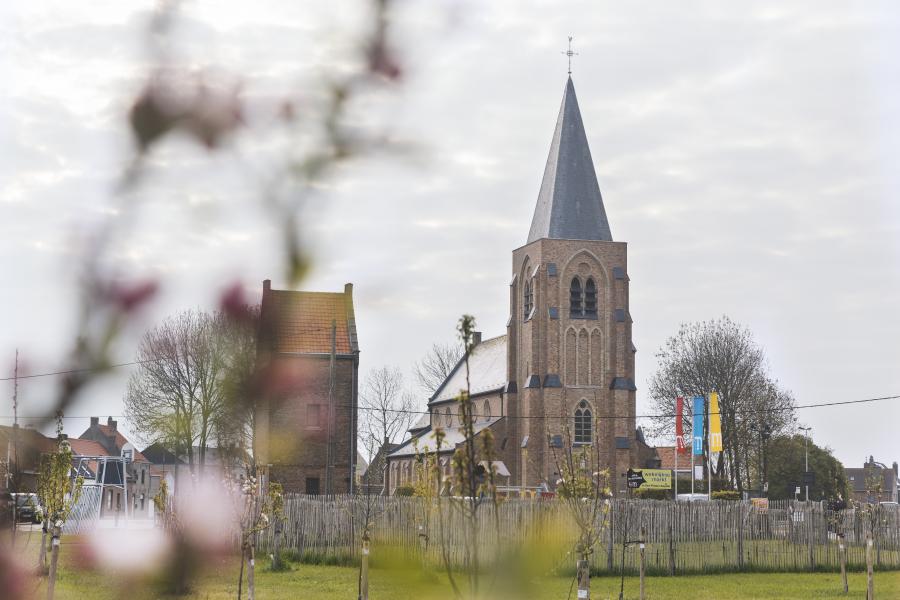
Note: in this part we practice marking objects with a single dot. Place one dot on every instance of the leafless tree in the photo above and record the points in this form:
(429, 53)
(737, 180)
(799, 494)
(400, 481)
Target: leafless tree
(180, 394)
(436, 365)
(722, 356)
(387, 409)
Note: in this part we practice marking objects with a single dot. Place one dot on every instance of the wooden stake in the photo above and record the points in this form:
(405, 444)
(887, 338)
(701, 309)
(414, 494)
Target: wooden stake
(584, 578)
(870, 580)
(843, 556)
(54, 560)
(642, 562)
(364, 572)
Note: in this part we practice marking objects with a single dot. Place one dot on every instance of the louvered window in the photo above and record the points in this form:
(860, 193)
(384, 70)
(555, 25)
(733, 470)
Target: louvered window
(590, 299)
(576, 306)
(528, 299)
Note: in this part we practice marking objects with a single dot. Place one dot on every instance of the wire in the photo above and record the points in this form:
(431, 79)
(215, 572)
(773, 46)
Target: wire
(85, 370)
(399, 411)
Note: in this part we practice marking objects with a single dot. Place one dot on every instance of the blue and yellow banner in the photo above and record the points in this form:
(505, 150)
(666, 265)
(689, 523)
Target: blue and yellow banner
(698, 424)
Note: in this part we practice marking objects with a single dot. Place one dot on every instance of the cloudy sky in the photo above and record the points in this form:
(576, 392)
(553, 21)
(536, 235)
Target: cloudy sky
(746, 154)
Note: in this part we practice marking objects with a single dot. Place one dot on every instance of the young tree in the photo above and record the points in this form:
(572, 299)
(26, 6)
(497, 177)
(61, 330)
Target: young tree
(436, 366)
(58, 494)
(259, 504)
(584, 489)
(721, 356)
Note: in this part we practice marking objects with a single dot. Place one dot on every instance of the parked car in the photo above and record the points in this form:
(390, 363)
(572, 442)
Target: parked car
(28, 508)
(693, 498)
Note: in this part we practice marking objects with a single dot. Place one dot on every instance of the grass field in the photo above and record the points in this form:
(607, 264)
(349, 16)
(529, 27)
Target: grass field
(219, 582)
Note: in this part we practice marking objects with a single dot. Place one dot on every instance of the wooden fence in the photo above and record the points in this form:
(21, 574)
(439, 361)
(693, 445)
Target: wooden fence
(679, 538)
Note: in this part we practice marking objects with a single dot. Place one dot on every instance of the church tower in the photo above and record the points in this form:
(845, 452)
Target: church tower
(569, 353)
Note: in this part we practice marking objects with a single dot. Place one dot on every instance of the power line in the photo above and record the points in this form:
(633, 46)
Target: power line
(85, 370)
(399, 411)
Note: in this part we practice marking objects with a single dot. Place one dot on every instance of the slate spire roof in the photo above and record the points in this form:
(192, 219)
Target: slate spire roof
(569, 205)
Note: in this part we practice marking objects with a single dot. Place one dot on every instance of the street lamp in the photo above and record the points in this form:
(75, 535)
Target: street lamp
(806, 460)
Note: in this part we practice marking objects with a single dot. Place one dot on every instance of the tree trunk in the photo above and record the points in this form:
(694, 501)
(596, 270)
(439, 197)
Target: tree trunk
(42, 557)
(54, 560)
(251, 587)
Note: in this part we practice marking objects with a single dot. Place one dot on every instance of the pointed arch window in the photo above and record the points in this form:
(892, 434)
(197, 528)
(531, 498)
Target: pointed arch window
(584, 426)
(576, 306)
(528, 299)
(590, 299)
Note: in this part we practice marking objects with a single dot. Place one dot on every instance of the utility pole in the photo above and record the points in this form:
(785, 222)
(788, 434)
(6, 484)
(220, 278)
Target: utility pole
(806, 430)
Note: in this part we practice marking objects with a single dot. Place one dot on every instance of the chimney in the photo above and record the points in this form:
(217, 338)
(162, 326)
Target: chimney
(267, 285)
(110, 423)
(476, 338)
(95, 421)
(348, 289)
(895, 470)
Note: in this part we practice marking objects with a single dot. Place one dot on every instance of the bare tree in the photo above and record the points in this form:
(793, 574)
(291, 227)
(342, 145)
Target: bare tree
(180, 395)
(722, 356)
(387, 409)
(436, 366)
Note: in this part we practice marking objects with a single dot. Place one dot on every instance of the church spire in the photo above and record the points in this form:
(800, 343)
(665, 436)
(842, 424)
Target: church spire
(569, 205)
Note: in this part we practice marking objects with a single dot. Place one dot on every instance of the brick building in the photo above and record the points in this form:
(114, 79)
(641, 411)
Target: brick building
(137, 471)
(308, 356)
(567, 353)
(874, 482)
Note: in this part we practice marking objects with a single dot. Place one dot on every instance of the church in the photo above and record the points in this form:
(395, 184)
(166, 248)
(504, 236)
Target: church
(567, 352)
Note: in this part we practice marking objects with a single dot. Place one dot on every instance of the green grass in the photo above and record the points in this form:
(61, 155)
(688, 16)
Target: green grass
(218, 581)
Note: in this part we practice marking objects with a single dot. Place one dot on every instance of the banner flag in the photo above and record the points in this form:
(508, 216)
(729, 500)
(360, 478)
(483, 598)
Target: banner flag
(698, 424)
(715, 423)
(679, 426)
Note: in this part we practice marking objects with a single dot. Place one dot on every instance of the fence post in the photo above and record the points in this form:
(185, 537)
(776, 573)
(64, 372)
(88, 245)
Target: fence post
(870, 582)
(809, 536)
(843, 557)
(672, 546)
(609, 542)
(740, 536)
(643, 536)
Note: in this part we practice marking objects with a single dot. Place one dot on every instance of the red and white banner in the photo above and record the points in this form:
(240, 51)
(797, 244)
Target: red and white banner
(679, 426)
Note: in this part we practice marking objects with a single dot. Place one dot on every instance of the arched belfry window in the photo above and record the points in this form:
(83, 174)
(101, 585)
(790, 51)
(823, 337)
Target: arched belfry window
(590, 299)
(576, 307)
(584, 427)
(528, 299)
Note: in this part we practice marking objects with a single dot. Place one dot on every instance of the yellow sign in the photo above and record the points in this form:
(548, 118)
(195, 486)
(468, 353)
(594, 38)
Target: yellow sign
(656, 479)
(715, 423)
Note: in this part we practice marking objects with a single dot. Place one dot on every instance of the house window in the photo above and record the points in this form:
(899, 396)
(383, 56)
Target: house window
(313, 416)
(486, 415)
(583, 424)
(528, 298)
(590, 299)
(312, 486)
(448, 417)
(576, 307)
(142, 476)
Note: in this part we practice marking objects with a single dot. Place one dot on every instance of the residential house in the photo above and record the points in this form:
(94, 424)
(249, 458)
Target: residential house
(874, 482)
(134, 484)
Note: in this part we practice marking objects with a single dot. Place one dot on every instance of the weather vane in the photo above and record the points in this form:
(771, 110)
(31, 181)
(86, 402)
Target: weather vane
(569, 53)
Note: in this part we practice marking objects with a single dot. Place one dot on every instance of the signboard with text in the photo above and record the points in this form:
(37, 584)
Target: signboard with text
(650, 479)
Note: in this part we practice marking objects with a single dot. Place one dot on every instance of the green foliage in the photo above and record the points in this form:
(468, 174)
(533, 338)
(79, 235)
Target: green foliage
(55, 488)
(405, 490)
(786, 466)
(654, 494)
(726, 495)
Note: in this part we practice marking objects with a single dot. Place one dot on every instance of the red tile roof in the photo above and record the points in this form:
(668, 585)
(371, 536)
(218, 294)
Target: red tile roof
(667, 458)
(87, 447)
(121, 440)
(300, 322)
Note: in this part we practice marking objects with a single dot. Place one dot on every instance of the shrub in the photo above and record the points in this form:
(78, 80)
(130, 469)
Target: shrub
(404, 490)
(726, 495)
(653, 494)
